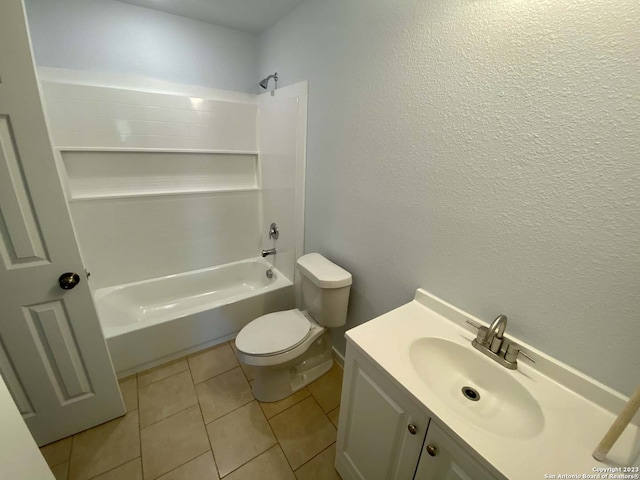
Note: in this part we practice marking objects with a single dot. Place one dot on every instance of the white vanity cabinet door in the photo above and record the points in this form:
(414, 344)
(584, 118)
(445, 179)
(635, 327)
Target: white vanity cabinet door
(375, 439)
(443, 459)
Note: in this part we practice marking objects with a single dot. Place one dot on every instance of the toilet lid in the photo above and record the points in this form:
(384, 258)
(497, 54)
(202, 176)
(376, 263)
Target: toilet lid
(273, 333)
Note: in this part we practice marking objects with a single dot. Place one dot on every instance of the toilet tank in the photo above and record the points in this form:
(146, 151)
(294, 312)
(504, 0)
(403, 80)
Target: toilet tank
(325, 290)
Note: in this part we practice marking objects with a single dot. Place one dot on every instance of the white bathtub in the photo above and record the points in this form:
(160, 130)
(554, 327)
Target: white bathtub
(149, 322)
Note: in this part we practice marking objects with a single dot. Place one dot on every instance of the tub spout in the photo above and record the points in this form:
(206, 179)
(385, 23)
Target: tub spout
(271, 251)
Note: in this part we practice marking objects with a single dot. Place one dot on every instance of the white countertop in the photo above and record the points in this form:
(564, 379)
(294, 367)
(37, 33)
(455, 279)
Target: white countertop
(577, 410)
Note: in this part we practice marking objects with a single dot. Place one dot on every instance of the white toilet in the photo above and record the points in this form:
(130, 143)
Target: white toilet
(291, 349)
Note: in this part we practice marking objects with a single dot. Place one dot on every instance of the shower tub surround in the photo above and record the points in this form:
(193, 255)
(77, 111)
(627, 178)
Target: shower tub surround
(171, 189)
(179, 314)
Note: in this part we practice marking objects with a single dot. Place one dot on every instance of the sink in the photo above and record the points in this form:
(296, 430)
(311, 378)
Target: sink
(476, 388)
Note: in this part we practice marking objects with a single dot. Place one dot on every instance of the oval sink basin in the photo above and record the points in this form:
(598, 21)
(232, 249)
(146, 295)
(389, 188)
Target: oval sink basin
(476, 388)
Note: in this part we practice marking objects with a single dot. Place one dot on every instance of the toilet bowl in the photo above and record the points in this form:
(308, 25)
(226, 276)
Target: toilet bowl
(292, 348)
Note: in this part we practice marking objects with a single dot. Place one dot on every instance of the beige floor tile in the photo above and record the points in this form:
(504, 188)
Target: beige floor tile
(273, 408)
(105, 447)
(334, 415)
(328, 388)
(223, 394)
(129, 471)
(172, 442)
(271, 465)
(166, 397)
(57, 452)
(200, 468)
(239, 436)
(320, 467)
(303, 431)
(212, 362)
(61, 471)
(129, 389)
(248, 370)
(162, 371)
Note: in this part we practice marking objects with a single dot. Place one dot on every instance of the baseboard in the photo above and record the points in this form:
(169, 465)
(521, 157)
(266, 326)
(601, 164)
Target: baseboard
(338, 357)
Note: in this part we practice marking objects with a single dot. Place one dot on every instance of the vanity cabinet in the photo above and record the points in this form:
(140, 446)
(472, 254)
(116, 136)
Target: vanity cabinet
(384, 434)
(443, 459)
(381, 431)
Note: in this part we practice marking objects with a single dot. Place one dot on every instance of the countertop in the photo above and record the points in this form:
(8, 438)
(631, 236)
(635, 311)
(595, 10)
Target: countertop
(577, 410)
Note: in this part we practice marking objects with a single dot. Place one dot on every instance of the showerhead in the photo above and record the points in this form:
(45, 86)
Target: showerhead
(265, 81)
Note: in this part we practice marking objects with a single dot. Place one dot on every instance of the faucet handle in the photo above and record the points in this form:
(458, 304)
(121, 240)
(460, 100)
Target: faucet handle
(513, 350)
(527, 356)
(474, 324)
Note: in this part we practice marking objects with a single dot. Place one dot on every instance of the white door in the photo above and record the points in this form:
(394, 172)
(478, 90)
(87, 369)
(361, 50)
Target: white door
(443, 459)
(380, 432)
(53, 356)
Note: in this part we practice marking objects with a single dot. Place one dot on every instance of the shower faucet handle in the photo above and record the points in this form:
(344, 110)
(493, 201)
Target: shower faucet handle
(273, 231)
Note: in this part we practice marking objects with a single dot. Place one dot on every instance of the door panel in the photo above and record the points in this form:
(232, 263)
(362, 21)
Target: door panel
(53, 356)
(51, 330)
(21, 241)
(443, 458)
(13, 384)
(374, 438)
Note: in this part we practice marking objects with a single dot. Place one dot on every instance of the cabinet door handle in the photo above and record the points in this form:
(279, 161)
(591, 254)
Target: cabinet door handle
(412, 429)
(432, 450)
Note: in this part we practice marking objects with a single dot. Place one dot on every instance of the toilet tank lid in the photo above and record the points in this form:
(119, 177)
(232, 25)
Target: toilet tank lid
(323, 272)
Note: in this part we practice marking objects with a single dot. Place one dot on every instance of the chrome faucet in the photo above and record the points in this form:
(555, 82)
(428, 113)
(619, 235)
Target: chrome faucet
(493, 337)
(271, 251)
(492, 343)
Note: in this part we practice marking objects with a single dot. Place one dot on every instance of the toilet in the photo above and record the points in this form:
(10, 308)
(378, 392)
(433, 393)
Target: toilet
(292, 348)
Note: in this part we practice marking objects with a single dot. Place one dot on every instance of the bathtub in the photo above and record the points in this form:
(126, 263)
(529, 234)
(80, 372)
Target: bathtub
(152, 321)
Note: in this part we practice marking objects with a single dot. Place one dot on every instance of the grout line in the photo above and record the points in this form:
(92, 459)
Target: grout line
(216, 375)
(302, 400)
(118, 466)
(290, 406)
(138, 397)
(277, 444)
(234, 410)
(206, 431)
(169, 416)
(183, 464)
(316, 455)
(70, 454)
(164, 378)
(140, 434)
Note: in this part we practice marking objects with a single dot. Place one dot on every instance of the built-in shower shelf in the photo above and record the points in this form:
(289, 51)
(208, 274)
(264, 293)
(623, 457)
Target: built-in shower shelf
(108, 174)
(157, 193)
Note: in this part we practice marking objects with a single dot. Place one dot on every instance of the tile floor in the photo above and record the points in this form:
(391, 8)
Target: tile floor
(195, 418)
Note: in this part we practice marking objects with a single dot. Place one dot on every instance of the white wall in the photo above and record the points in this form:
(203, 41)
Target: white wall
(116, 37)
(19, 455)
(486, 151)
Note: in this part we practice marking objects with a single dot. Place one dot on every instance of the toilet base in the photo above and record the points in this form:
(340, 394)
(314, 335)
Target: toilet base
(273, 383)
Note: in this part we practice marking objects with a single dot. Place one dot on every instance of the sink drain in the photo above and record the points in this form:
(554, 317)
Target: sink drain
(470, 394)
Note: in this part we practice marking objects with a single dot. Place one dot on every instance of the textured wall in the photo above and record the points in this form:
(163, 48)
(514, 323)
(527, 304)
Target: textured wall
(111, 36)
(488, 151)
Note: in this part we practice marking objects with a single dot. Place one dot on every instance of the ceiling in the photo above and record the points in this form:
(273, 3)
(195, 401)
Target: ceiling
(253, 16)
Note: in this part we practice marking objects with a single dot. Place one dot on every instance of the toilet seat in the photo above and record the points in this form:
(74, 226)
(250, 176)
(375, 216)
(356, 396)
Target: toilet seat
(274, 333)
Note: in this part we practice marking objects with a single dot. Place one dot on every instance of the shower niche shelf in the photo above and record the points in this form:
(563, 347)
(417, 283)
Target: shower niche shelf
(108, 174)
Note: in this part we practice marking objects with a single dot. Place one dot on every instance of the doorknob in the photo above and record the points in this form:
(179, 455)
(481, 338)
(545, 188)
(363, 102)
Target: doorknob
(412, 429)
(432, 450)
(68, 280)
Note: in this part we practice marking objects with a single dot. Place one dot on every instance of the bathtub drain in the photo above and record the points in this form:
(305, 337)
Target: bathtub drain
(269, 273)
